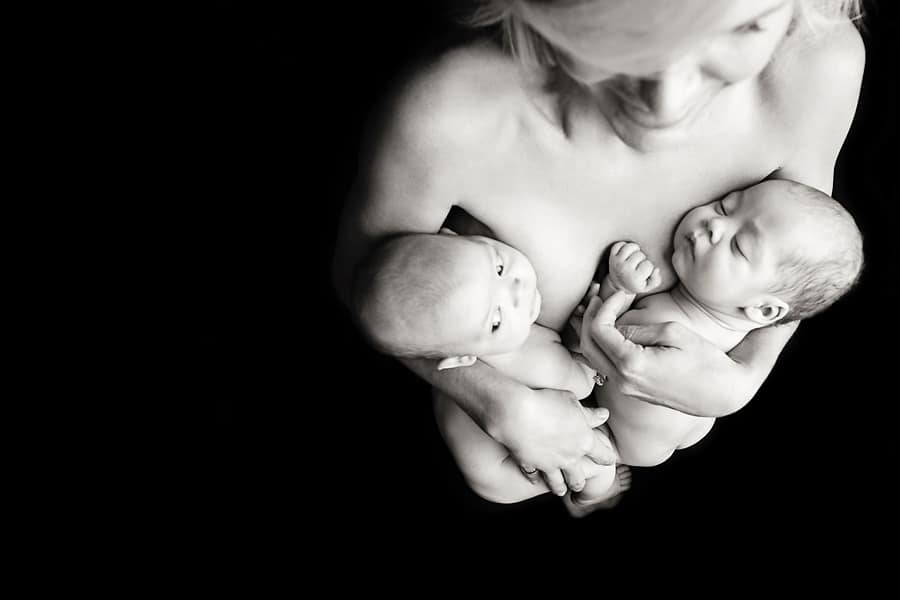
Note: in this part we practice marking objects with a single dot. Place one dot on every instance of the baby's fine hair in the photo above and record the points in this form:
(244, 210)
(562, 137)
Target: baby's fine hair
(812, 284)
(396, 285)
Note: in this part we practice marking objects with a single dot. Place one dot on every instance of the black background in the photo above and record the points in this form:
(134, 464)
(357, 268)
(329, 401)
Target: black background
(306, 428)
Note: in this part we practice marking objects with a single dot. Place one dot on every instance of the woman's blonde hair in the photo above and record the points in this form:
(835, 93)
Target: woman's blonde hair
(811, 17)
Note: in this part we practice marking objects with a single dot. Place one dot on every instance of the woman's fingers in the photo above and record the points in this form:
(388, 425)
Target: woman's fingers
(670, 334)
(574, 477)
(612, 343)
(602, 453)
(589, 348)
(555, 482)
(530, 473)
(595, 416)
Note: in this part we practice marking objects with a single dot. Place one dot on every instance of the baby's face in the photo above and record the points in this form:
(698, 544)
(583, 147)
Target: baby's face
(495, 299)
(727, 252)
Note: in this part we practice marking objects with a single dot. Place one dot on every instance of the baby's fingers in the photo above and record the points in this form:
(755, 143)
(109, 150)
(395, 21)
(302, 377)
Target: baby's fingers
(644, 270)
(635, 259)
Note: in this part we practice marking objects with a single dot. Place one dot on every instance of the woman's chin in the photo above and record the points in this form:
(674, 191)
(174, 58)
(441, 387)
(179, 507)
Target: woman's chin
(644, 138)
(643, 130)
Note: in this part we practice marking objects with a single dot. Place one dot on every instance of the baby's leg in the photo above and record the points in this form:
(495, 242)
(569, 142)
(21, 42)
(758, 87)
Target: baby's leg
(486, 464)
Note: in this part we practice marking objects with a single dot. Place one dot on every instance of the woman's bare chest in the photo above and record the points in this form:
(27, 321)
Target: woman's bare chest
(564, 211)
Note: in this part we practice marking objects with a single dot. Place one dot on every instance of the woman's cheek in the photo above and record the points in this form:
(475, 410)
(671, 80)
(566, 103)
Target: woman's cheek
(740, 56)
(738, 66)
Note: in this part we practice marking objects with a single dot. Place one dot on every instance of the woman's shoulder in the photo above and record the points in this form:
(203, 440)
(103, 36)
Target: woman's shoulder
(821, 70)
(810, 93)
(458, 97)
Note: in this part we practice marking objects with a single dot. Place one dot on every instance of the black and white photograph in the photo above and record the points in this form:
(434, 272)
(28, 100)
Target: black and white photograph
(486, 270)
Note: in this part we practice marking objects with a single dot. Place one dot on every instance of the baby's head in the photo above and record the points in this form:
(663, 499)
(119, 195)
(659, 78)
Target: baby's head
(446, 296)
(776, 251)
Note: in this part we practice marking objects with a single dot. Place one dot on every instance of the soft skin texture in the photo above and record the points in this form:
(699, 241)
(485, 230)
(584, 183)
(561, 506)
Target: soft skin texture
(561, 181)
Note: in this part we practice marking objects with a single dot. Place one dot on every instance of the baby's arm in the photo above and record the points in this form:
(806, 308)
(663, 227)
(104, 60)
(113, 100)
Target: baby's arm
(543, 362)
(630, 273)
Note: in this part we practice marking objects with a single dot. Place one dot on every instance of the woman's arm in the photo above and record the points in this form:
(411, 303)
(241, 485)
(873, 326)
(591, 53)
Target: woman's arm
(547, 430)
(670, 365)
(400, 186)
(812, 98)
(408, 181)
(815, 102)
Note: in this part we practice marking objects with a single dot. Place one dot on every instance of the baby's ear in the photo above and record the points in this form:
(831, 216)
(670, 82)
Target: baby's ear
(766, 312)
(451, 362)
(447, 231)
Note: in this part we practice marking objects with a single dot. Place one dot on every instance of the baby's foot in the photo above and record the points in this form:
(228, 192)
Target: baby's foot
(581, 508)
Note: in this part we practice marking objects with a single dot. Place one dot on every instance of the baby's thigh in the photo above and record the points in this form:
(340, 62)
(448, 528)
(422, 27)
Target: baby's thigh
(468, 443)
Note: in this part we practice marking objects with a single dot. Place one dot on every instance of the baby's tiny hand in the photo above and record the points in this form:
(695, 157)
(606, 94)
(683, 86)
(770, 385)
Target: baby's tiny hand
(630, 270)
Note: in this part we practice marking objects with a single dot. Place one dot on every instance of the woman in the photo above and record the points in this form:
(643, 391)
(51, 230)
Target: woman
(608, 120)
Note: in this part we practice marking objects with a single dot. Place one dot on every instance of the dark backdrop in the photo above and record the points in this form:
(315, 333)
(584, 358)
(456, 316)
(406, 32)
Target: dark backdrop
(306, 427)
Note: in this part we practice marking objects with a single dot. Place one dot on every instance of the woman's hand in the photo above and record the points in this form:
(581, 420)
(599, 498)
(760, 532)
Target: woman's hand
(548, 432)
(670, 365)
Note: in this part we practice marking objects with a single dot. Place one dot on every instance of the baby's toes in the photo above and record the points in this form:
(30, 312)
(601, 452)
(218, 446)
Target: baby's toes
(623, 475)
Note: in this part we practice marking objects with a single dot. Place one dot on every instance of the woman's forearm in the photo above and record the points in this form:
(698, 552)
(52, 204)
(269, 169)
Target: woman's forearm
(726, 387)
(669, 365)
(480, 390)
(757, 355)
